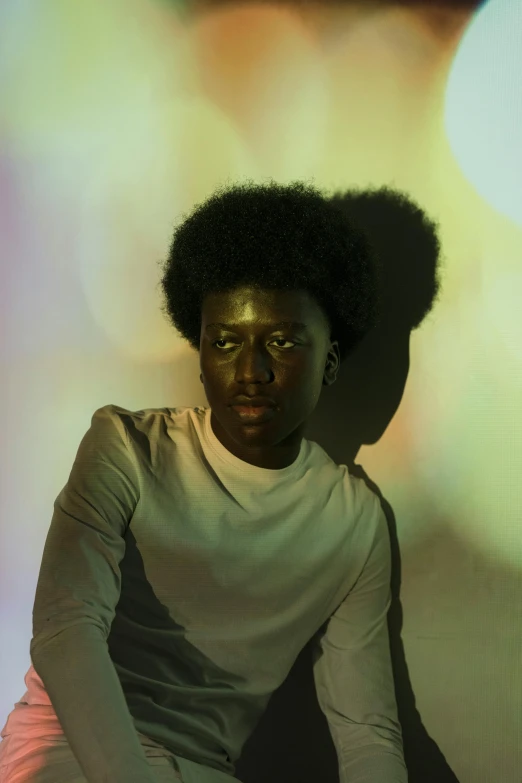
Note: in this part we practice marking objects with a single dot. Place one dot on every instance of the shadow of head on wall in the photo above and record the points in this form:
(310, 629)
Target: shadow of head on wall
(358, 407)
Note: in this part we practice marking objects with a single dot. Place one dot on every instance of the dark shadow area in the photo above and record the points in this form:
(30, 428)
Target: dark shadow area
(292, 743)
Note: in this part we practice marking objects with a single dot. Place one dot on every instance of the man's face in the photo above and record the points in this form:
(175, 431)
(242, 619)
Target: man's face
(253, 354)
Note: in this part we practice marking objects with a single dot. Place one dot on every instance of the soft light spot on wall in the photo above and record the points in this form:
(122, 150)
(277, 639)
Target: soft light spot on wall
(483, 113)
(261, 65)
(73, 74)
(134, 201)
(463, 415)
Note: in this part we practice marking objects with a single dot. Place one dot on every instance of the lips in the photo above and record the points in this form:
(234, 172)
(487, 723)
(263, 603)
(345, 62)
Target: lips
(253, 402)
(254, 414)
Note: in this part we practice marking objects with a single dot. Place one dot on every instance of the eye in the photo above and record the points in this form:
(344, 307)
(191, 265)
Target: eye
(215, 342)
(277, 340)
(282, 340)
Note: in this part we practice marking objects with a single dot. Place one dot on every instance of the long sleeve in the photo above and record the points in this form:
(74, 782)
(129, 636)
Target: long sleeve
(78, 588)
(353, 673)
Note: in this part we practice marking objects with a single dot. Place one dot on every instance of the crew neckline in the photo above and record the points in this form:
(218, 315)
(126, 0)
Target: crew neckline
(245, 467)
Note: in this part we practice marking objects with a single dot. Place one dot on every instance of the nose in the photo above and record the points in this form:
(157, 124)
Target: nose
(253, 365)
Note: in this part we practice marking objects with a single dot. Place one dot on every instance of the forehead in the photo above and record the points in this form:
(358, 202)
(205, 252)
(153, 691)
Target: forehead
(247, 305)
(294, 325)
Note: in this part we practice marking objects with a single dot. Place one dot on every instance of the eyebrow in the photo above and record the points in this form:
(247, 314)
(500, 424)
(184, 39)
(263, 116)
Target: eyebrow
(290, 324)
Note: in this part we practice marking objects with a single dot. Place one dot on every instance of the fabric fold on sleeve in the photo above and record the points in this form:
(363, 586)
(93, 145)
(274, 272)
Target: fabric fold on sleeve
(353, 672)
(77, 592)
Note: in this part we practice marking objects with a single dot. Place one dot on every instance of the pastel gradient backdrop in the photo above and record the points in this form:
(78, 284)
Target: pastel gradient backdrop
(116, 117)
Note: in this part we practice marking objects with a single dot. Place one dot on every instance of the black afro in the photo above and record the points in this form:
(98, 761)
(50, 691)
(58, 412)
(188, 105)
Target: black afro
(272, 236)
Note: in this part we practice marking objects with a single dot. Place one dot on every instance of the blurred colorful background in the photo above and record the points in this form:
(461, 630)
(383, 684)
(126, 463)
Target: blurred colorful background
(115, 118)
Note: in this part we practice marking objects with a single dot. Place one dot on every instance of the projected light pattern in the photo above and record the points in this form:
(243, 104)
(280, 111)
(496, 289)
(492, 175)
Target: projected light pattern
(116, 119)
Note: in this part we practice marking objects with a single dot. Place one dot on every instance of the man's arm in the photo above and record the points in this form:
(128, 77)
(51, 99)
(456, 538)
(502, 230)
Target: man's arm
(353, 672)
(76, 596)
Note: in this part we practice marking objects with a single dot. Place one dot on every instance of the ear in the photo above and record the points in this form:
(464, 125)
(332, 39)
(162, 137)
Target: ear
(332, 364)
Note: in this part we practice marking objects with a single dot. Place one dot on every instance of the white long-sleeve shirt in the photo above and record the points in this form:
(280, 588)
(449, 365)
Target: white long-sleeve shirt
(178, 585)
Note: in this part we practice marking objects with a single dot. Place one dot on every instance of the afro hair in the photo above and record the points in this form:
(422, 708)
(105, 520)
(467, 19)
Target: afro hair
(272, 237)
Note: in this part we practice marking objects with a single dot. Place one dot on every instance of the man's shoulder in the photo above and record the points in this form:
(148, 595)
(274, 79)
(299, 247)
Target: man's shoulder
(140, 418)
